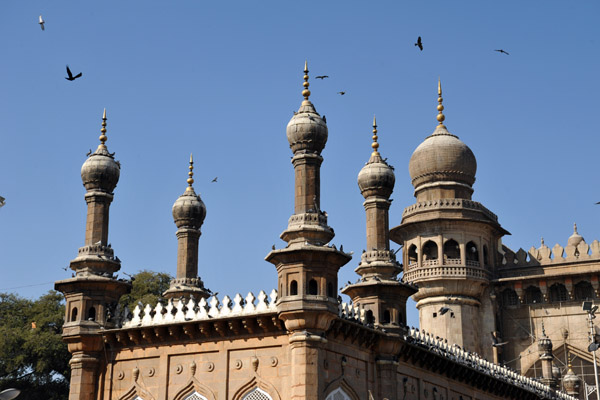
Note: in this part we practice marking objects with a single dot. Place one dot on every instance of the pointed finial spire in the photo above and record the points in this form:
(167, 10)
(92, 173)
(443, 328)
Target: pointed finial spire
(543, 330)
(190, 179)
(569, 363)
(306, 92)
(440, 106)
(375, 145)
(575, 229)
(543, 241)
(103, 137)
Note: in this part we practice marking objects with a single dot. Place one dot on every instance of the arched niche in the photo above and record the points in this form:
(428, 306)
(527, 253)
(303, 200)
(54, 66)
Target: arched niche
(195, 390)
(451, 252)
(256, 387)
(430, 251)
(472, 254)
(558, 293)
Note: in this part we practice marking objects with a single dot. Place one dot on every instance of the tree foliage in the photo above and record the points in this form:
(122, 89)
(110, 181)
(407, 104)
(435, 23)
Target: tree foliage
(147, 288)
(33, 357)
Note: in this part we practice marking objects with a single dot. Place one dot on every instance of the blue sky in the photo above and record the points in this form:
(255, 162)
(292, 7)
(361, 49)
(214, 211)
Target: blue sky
(222, 79)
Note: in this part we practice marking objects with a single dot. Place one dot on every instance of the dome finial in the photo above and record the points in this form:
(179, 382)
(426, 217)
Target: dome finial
(306, 92)
(575, 228)
(440, 106)
(375, 145)
(103, 137)
(190, 179)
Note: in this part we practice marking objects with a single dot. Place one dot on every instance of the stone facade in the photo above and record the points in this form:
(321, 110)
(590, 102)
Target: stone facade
(300, 342)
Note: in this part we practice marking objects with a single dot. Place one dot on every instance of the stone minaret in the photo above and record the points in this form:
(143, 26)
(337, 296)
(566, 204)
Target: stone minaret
(93, 292)
(189, 212)
(307, 267)
(450, 243)
(546, 357)
(379, 291)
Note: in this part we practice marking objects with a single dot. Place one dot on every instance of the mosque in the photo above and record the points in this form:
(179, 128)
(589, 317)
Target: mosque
(494, 323)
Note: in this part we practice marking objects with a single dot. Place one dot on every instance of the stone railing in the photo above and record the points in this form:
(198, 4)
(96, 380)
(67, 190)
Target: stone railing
(432, 205)
(428, 263)
(452, 261)
(192, 310)
(472, 360)
(445, 271)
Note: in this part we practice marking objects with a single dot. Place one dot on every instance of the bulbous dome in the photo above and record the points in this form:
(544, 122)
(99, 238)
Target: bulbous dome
(189, 210)
(376, 178)
(442, 157)
(575, 238)
(307, 131)
(100, 171)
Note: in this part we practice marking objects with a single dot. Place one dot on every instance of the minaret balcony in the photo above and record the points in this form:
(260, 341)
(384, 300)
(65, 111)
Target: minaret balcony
(434, 271)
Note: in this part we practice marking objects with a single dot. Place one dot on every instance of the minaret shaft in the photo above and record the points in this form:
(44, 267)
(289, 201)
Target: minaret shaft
(377, 210)
(307, 172)
(96, 229)
(187, 253)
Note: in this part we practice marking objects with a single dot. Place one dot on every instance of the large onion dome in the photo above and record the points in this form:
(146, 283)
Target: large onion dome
(100, 171)
(442, 159)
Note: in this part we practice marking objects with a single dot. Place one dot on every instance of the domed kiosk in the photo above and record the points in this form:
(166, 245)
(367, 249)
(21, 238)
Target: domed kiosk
(449, 241)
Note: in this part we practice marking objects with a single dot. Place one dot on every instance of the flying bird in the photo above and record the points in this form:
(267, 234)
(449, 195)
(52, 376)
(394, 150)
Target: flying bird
(321, 77)
(214, 180)
(42, 22)
(495, 341)
(502, 51)
(443, 310)
(419, 43)
(71, 77)
(342, 93)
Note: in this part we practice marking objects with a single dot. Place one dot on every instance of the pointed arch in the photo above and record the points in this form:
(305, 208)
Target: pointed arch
(195, 387)
(339, 387)
(136, 392)
(256, 386)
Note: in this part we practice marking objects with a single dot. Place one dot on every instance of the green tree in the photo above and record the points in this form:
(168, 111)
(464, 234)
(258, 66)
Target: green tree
(33, 357)
(147, 288)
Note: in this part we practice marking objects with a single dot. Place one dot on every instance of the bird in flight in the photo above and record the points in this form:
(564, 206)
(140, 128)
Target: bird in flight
(342, 93)
(214, 180)
(419, 43)
(321, 77)
(502, 51)
(42, 22)
(71, 77)
(496, 342)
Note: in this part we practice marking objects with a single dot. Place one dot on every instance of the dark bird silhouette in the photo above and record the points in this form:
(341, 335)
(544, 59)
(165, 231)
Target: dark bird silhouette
(273, 247)
(342, 93)
(324, 119)
(495, 342)
(598, 202)
(321, 77)
(502, 51)
(419, 43)
(214, 180)
(71, 77)
(65, 268)
(42, 22)
(443, 310)
(88, 153)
